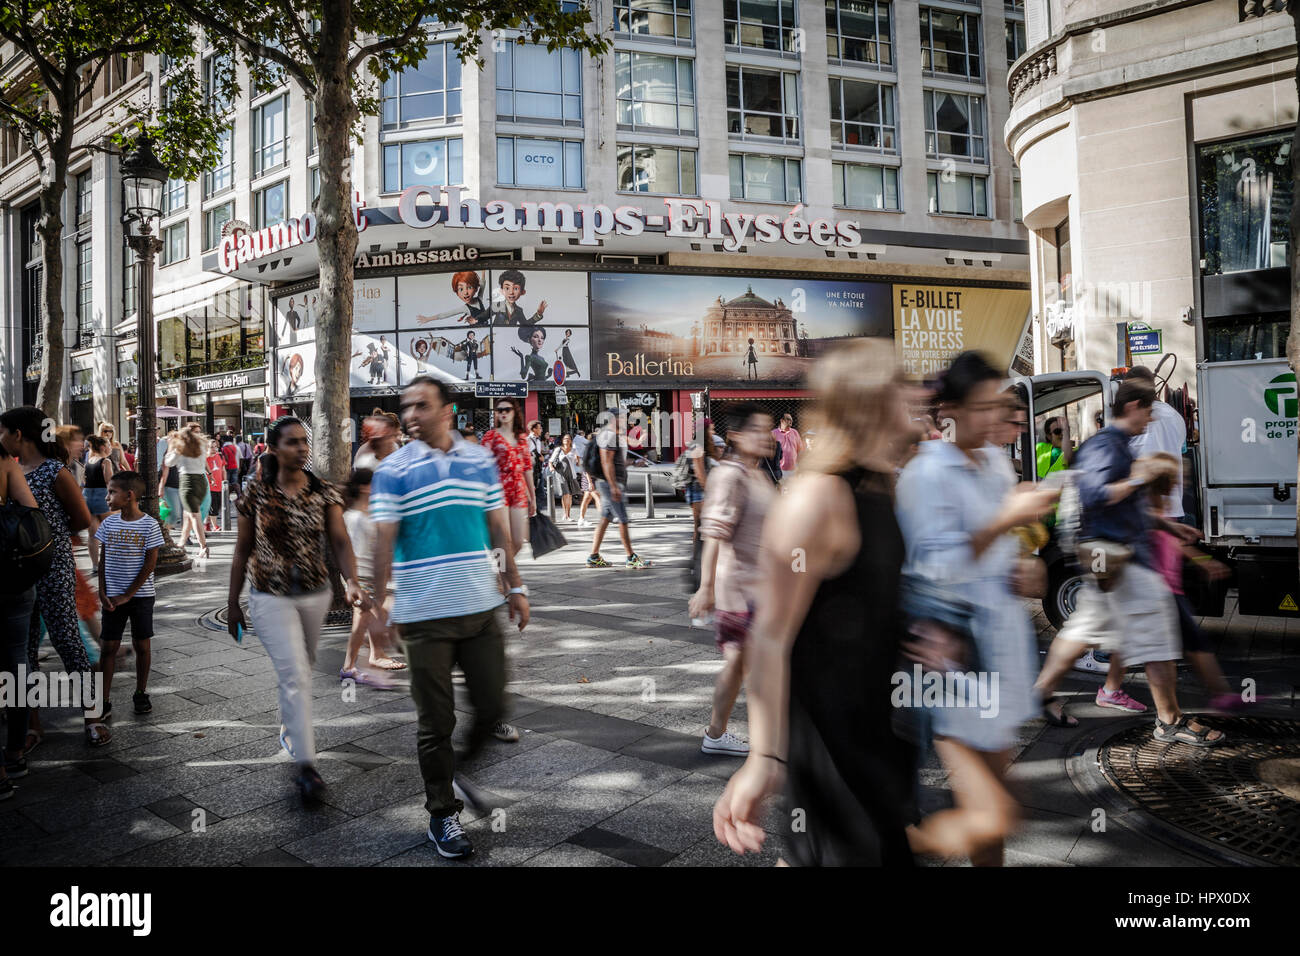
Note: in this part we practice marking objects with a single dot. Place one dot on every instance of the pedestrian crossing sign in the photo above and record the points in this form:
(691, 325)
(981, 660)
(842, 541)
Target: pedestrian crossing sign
(1288, 604)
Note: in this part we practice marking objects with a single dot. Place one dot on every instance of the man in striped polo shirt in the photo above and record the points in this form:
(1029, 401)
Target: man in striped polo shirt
(442, 528)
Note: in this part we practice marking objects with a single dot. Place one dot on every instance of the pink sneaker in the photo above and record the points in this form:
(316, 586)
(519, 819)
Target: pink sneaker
(1119, 701)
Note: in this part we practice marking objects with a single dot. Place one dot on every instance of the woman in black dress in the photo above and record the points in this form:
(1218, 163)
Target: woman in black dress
(829, 637)
(566, 355)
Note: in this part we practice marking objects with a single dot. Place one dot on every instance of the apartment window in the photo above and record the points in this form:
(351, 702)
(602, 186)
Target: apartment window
(222, 175)
(1016, 47)
(1245, 195)
(1064, 265)
(271, 205)
(85, 291)
(429, 91)
(270, 134)
(655, 92)
(765, 178)
(311, 126)
(666, 170)
(84, 184)
(128, 284)
(176, 243)
(762, 103)
(950, 43)
(859, 31)
(954, 125)
(538, 86)
(958, 194)
(760, 24)
(433, 162)
(217, 70)
(670, 19)
(175, 197)
(1017, 211)
(315, 185)
(862, 114)
(213, 220)
(550, 163)
(865, 187)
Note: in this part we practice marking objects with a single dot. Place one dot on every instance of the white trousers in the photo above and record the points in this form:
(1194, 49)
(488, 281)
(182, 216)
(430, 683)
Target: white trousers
(289, 627)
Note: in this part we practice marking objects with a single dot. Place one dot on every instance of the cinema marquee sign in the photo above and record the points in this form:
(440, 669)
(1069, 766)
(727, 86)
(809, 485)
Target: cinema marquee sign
(701, 219)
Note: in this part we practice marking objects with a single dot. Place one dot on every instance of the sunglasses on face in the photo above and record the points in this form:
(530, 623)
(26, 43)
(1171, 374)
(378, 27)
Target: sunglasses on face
(502, 410)
(1055, 431)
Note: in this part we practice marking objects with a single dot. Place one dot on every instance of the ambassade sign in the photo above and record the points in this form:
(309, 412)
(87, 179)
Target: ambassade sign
(427, 207)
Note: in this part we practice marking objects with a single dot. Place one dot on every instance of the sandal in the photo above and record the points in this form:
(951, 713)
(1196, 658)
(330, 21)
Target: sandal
(387, 664)
(1057, 720)
(1180, 733)
(29, 744)
(98, 734)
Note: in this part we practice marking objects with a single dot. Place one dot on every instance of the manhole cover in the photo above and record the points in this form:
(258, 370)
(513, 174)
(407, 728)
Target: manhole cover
(1243, 796)
(217, 620)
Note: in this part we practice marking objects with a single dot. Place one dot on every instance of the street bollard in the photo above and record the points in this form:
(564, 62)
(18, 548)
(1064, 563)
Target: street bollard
(550, 498)
(649, 495)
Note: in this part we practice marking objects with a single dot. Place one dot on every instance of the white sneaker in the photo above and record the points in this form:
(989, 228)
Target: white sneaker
(728, 744)
(506, 732)
(1089, 664)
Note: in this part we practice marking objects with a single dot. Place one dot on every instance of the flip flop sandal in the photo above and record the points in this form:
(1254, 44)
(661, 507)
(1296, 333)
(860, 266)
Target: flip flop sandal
(28, 744)
(97, 735)
(1064, 720)
(1180, 733)
(377, 683)
(387, 664)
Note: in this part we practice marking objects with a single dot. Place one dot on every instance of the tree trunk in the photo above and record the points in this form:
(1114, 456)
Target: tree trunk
(1293, 335)
(50, 229)
(336, 245)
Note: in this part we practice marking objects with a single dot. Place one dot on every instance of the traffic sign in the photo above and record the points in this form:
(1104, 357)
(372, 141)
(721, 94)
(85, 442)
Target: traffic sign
(500, 389)
(559, 371)
(561, 396)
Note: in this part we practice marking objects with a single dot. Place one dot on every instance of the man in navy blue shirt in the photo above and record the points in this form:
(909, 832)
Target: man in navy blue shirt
(1135, 617)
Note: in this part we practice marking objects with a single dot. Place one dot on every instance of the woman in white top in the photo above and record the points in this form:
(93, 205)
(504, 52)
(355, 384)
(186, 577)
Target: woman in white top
(365, 624)
(185, 452)
(567, 466)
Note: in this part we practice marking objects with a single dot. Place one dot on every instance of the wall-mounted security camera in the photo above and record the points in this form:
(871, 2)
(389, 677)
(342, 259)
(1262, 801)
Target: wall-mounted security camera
(1188, 315)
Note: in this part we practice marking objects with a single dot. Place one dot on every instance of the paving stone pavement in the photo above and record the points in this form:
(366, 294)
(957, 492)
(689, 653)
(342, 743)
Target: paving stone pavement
(610, 688)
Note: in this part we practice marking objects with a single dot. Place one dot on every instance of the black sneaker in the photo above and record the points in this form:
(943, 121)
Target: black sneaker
(16, 768)
(310, 786)
(449, 838)
(141, 701)
(7, 790)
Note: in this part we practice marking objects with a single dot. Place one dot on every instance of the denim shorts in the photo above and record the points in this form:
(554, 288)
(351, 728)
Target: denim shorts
(96, 500)
(694, 493)
(615, 511)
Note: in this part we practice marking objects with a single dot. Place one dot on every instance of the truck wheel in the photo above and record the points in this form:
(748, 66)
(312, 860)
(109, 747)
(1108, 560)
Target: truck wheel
(1063, 584)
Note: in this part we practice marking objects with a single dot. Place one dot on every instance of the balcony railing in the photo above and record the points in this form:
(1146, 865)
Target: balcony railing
(199, 369)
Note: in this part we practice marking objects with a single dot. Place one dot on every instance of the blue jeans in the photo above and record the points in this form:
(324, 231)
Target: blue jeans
(17, 613)
(615, 511)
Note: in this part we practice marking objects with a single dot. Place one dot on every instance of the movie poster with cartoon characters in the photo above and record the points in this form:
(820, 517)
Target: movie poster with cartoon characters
(295, 371)
(295, 318)
(445, 300)
(453, 355)
(373, 362)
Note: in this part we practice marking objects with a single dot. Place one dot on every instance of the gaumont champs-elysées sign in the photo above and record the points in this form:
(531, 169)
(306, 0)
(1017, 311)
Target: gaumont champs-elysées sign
(702, 219)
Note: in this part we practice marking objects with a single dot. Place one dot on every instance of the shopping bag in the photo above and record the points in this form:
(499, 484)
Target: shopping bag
(544, 535)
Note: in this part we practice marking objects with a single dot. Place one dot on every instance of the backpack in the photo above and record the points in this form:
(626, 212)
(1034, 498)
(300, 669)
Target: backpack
(26, 546)
(591, 459)
(683, 470)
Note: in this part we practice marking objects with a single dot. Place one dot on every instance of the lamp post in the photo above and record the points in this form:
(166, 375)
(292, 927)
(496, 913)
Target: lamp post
(143, 177)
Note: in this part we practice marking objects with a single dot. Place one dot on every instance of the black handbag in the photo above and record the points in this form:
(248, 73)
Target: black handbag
(26, 547)
(544, 535)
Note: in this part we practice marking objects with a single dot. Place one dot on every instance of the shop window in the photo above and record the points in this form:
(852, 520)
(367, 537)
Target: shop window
(665, 19)
(760, 24)
(1247, 337)
(428, 92)
(950, 43)
(655, 92)
(270, 134)
(954, 125)
(859, 31)
(1246, 191)
(176, 243)
(433, 162)
(862, 114)
(762, 103)
(213, 221)
(535, 85)
(958, 194)
(765, 178)
(664, 170)
(271, 205)
(550, 163)
(221, 176)
(865, 187)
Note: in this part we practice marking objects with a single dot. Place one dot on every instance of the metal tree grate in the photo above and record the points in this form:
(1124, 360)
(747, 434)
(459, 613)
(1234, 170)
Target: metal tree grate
(1216, 795)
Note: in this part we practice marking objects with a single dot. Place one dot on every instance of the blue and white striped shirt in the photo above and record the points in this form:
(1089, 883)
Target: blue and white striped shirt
(442, 558)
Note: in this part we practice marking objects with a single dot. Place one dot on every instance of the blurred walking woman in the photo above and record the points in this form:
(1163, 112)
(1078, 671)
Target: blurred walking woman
(15, 618)
(826, 637)
(185, 452)
(286, 517)
(957, 501)
(59, 498)
(508, 441)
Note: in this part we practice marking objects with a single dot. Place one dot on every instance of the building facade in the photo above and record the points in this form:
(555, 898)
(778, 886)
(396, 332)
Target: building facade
(868, 116)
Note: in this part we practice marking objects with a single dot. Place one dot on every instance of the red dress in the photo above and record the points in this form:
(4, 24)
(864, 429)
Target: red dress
(513, 462)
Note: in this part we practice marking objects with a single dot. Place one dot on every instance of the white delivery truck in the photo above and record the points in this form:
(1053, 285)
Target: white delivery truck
(1240, 487)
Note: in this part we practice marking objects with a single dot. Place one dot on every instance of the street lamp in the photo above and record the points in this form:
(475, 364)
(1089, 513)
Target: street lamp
(143, 178)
